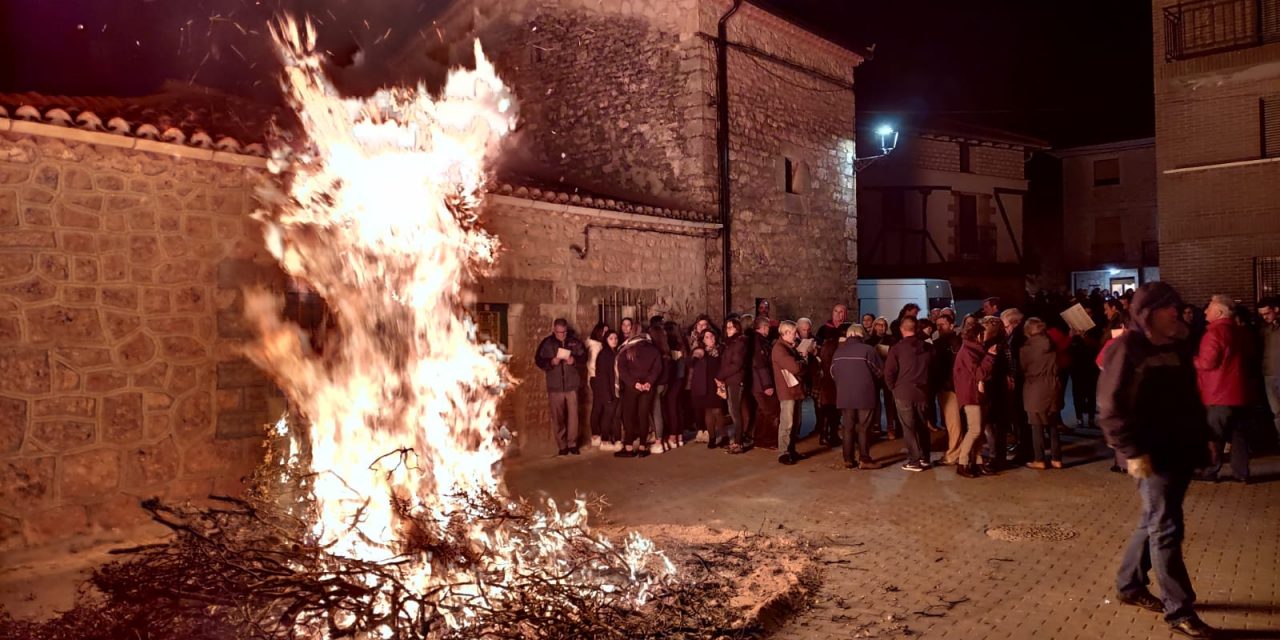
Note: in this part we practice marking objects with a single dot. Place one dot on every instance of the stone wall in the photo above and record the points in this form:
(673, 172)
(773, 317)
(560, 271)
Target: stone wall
(110, 335)
(541, 278)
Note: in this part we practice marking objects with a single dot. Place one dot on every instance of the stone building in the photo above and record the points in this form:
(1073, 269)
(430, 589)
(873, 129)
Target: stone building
(1109, 230)
(948, 203)
(1217, 102)
(125, 238)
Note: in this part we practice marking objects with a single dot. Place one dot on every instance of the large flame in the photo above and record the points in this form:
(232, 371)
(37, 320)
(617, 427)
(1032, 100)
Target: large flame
(379, 218)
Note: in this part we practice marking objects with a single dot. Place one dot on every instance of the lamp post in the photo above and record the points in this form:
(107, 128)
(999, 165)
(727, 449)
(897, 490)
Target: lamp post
(888, 140)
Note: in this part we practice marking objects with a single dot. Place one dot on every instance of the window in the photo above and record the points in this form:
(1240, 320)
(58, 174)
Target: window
(965, 167)
(1269, 115)
(968, 239)
(1106, 172)
(1266, 277)
(304, 306)
(491, 323)
(791, 175)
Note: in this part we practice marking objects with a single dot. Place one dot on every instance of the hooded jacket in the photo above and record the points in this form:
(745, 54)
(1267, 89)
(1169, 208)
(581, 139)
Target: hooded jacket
(638, 361)
(1148, 402)
(973, 365)
(1039, 364)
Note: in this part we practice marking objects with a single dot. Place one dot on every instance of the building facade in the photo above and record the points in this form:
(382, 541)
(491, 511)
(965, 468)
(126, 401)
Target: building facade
(1217, 103)
(1109, 234)
(948, 203)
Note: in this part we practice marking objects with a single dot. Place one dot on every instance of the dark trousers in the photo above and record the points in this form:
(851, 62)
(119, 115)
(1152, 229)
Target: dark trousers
(855, 429)
(604, 411)
(637, 407)
(1040, 421)
(1157, 544)
(1084, 386)
(713, 421)
(768, 410)
(911, 416)
(1230, 424)
(828, 427)
(672, 415)
(564, 417)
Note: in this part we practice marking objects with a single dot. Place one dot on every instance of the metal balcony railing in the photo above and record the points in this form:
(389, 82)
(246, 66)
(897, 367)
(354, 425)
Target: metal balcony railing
(1203, 27)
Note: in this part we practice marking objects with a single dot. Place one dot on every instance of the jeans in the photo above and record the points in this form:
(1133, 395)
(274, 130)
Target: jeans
(788, 411)
(973, 430)
(1157, 544)
(1229, 424)
(1040, 421)
(564, 417)
(951, 418)
(1273, 399)
(637, 406)
(914, 431)
(855, 429)
(733, 393)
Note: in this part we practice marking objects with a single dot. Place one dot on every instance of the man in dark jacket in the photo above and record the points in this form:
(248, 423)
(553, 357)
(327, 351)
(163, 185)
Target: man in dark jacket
(557, 356)
(906, 372)
(1150, 411)
(855, 367)
(768, 409)
(945, 347)
(1015, 415)
(1269, 309)
(1222, 371)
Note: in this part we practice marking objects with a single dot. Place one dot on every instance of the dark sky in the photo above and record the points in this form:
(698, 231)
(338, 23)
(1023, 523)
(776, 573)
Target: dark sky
(1070, 71)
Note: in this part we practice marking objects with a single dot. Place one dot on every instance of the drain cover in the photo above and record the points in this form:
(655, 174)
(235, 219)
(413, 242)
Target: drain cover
(1025, 532)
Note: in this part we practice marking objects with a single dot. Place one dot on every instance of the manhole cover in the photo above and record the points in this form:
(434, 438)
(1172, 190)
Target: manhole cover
(1025, 532)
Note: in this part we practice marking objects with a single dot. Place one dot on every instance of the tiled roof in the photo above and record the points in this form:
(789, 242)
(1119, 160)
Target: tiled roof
(564, 192)
(183, 116)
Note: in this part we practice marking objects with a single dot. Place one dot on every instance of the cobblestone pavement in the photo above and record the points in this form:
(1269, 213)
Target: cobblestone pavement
(908, 554)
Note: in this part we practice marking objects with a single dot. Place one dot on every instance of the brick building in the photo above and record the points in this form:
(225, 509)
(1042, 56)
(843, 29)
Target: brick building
(1217, 103)
(125, 240)
(948, 203)
(1109, 232)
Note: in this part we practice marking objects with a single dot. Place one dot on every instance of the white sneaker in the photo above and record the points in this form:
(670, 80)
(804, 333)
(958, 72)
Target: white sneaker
(655, 448)
(596, 442)
(701, 437)
(616, 446)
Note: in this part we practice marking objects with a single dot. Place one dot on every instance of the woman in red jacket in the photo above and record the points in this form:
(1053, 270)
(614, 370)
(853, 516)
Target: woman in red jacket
(971, 373)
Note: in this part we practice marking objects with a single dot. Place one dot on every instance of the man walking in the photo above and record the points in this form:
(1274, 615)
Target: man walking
(1150, 411)
(906, 372)
(557, 355)
(1222, 373)
(855, 367)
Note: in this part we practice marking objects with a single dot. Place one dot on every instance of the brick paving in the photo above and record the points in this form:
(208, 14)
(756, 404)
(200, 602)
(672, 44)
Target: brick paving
(908, 555)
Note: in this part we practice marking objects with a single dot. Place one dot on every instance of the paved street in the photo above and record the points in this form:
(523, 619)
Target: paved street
(909, 555)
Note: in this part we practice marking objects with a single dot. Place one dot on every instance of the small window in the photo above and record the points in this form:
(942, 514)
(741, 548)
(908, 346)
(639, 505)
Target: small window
(1106, 172)
(1270, 117)
(796, 178)
(791, 175)
(965, 167)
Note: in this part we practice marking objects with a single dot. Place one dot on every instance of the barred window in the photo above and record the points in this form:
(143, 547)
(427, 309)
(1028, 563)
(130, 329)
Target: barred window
(1266, 277)
(1269, 115)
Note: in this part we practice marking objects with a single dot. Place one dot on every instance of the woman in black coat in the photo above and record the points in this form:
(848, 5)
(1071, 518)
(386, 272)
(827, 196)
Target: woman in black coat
(704, 391)
(604, 404)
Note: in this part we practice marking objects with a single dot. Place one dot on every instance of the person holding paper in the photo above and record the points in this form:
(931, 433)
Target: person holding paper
(788, 372)
(557, 356)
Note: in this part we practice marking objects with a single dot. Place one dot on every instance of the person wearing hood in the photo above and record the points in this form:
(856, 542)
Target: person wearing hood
(855, 371)
(557, 356)
(639, 370)
(1149, 410)
(1039, 363)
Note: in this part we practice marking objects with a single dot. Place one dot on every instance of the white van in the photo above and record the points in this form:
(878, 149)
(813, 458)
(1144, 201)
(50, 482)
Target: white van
(886, 297)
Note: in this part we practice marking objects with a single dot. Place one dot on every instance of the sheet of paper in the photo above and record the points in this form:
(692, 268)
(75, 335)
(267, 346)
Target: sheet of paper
(563, 354)
(806, 345)
(789, 378)
(1077, 318)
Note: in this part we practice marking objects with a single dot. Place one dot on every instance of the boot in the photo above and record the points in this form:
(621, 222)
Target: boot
(966, 471)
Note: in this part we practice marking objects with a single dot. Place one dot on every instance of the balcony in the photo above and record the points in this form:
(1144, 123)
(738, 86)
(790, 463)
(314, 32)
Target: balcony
(1204, 27)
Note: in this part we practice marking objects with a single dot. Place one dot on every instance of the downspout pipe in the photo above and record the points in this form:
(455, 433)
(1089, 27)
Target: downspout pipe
(722, 150)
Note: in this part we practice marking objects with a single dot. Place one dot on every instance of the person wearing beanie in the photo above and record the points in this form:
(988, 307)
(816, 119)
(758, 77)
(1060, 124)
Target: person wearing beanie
(1149, 410)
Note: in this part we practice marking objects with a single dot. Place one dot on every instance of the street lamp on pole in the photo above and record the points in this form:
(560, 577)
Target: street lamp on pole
(887, 138)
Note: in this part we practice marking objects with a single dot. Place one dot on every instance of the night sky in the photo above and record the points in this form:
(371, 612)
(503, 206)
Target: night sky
(1067, 71)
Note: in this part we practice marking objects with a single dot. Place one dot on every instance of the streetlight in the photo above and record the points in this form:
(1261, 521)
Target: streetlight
(888, 138)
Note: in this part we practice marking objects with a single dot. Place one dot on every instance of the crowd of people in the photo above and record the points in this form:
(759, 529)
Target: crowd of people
(1171, 388)
(995, 381)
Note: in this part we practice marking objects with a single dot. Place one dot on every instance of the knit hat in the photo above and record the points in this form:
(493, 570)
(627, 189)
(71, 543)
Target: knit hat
(1148, 298)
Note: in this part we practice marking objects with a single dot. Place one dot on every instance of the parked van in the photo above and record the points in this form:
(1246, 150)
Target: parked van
(886, 297)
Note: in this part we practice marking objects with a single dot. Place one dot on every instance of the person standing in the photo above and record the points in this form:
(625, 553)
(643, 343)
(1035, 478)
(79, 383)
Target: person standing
(1225, 385)
(1015, 416)
(906, 372)
(731, 375)
(595, 344)
(1149, 410)
(762, 386)
(946, 346)
(676, 397)
(971, 373)
(855, 370)
(1269, 309)
(556, 356)
(1039, 363)
(788, 378)
(639, 367)
(604, 402)
(882, 340)
(704, 390)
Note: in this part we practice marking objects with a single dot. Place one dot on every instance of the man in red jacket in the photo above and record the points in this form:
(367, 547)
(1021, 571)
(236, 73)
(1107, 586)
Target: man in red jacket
(1222, 374)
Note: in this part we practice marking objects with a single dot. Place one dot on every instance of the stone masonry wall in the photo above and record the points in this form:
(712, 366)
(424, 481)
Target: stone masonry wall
(541, 279)
(110, 336)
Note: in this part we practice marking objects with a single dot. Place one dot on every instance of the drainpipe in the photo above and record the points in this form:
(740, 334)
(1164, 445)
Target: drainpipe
(722, 147)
